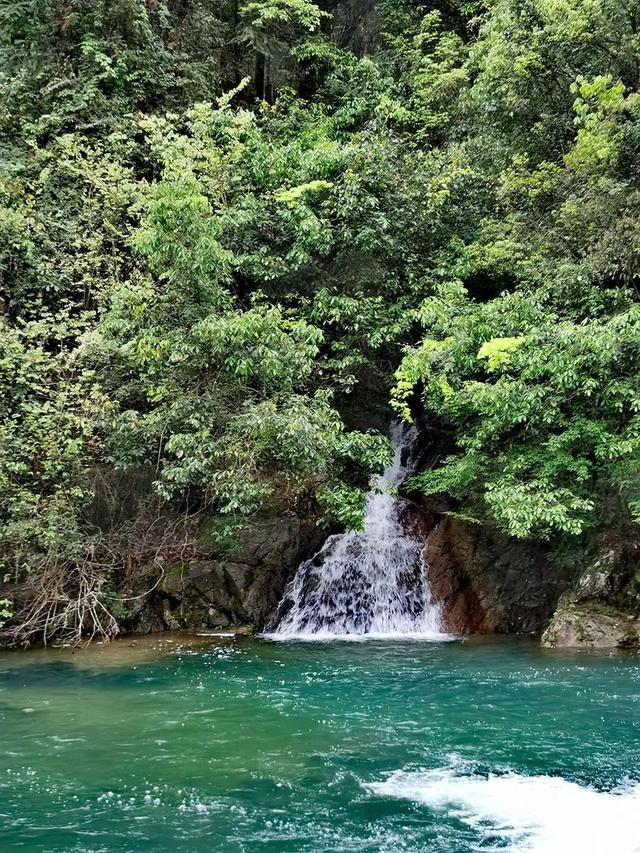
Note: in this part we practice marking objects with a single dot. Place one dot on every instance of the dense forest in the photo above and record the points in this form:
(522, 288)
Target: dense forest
(226, 226)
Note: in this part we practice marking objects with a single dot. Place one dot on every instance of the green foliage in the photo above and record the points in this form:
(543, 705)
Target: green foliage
(344, 505)
(531, 348)
(272, 28)
(209, 255)
(152, 314)
(543, 431)
(272, 16)
(497, 352)
(294, 194)
(5, 611)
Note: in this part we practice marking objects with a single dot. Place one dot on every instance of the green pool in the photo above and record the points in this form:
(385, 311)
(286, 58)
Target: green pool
(248, 745)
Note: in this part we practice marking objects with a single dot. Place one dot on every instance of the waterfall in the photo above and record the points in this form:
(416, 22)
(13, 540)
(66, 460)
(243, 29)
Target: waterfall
(369, 584)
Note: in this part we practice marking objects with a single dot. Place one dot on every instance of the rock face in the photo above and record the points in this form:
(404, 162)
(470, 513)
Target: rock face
(183, 578)
(179, 572)
(242, 588)
(485, 581)
(186, 572)
(602, 609)
(488, 582)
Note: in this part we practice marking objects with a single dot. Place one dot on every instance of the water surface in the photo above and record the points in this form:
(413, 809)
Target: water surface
(247, 745)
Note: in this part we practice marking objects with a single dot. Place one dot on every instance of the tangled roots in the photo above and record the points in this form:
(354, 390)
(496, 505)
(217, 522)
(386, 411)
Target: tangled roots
(66, 608)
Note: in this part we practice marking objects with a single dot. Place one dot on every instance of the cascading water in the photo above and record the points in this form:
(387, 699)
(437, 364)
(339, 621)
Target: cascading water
(369, 584)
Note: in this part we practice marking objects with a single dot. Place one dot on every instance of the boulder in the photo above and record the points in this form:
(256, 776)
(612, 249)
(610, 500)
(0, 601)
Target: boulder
(588, 628)
(602, 609)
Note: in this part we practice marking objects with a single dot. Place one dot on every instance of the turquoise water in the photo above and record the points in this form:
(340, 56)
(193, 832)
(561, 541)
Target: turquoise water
(248, 745)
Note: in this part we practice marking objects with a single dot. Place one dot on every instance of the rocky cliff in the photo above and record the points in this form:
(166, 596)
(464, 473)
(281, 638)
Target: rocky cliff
(485, 581)
(209, 591)
(179, 573)
(488, 583)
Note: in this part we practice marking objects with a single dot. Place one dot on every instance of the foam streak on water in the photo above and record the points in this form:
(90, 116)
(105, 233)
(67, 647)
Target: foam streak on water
(542, 814)
(366, 585)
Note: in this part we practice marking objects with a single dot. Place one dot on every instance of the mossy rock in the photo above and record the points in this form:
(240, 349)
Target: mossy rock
(594, 626)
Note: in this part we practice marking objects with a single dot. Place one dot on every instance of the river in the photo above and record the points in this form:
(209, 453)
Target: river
(242, 744)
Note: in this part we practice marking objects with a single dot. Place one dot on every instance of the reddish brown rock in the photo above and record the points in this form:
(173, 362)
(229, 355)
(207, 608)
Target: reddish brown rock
(488, 582)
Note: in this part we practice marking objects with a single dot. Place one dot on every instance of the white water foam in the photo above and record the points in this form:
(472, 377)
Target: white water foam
(543, 814)
(369, 585)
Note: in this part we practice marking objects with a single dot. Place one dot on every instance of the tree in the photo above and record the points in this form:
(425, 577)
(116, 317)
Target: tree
(271, 27)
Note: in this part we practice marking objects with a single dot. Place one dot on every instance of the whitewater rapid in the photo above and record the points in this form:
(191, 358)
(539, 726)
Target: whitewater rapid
(541, 814)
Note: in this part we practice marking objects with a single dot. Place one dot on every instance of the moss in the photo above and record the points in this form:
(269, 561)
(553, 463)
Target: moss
(600, 608)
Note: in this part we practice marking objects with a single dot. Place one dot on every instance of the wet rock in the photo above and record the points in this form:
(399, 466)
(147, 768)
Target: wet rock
(487, 582)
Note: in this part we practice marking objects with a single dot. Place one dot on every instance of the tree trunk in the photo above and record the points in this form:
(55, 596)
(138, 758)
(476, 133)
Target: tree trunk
(259, 75)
